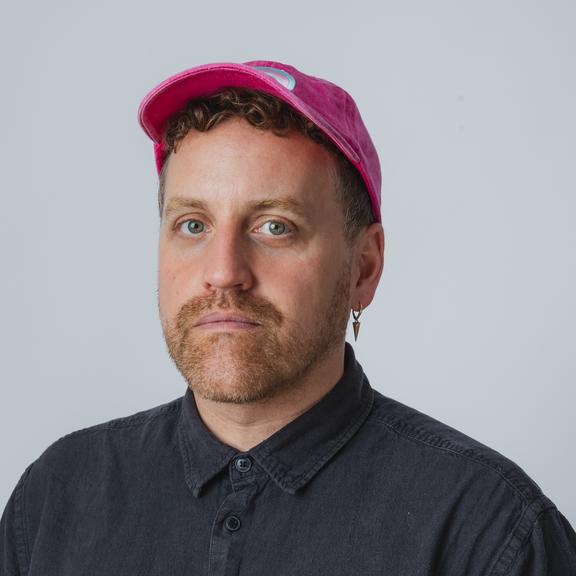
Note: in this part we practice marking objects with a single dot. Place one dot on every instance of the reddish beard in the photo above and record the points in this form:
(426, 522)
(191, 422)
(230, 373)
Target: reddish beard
(244, 366)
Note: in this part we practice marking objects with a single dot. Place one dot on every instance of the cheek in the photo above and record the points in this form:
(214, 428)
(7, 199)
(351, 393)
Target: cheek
(173, 285)
(302, 287)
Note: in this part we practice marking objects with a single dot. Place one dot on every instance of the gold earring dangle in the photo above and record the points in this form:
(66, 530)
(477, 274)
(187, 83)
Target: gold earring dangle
(356, 324)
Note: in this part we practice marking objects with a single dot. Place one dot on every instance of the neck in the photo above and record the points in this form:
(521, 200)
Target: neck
(244, 426)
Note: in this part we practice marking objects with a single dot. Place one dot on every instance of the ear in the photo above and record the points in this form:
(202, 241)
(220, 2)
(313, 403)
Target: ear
(368, 265)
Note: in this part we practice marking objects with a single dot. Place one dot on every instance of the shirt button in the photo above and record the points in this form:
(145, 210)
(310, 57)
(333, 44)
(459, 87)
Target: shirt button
(243, 464)
(232, 523)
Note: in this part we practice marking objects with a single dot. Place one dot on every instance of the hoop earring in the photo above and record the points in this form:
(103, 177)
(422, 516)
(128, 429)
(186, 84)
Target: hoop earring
(356, 323)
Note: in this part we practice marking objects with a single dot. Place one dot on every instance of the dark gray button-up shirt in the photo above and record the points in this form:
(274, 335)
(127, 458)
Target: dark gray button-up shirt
(358, 485)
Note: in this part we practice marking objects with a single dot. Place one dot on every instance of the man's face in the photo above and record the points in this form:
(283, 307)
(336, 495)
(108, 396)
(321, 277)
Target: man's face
(252, 229)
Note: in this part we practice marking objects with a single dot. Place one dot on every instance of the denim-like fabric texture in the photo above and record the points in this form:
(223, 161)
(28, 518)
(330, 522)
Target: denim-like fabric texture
(358, 485)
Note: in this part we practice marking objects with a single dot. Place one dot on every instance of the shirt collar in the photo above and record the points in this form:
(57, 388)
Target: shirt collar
(296, 452)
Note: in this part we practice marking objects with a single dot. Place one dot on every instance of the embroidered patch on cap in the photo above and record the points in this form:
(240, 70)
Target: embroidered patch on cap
(281, 76)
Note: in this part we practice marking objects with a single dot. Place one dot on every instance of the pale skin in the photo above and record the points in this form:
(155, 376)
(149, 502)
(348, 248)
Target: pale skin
(232, 169)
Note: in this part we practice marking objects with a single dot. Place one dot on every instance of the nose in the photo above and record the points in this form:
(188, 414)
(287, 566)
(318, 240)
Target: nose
(226, 262)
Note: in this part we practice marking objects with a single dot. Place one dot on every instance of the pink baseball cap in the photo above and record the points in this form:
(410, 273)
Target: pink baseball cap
(328, 106)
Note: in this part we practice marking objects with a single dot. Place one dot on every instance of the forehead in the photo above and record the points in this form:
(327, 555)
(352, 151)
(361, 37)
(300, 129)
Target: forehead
(237, 163)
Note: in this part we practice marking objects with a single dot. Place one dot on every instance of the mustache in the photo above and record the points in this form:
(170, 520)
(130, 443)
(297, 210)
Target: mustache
(256, 307)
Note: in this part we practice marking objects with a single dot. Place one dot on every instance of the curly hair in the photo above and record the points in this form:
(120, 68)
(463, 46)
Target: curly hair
(267, 112)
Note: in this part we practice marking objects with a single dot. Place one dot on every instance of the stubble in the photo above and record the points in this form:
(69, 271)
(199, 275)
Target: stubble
(247, 366)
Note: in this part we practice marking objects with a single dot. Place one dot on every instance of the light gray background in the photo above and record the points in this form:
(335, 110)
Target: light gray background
(471, 106)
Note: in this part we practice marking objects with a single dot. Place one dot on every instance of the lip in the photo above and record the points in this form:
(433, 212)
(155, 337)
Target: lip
(226, 320)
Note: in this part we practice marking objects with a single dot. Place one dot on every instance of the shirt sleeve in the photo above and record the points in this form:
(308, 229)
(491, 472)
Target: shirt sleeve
(550, 548)
(12, 539)
(8, 560)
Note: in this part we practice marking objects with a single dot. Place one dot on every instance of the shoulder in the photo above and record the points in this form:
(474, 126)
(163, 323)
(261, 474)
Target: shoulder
(434, 440)
(475, 499)
(482, 501)
(94, 448)
(87, 466)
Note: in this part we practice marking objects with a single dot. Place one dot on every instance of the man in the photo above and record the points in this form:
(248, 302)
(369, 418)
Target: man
(279, 458)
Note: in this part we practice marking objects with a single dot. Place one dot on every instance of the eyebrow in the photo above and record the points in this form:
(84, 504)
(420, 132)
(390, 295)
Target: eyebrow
(179, 203)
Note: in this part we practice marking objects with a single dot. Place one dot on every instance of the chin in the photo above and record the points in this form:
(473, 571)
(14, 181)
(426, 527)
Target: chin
(230, 394)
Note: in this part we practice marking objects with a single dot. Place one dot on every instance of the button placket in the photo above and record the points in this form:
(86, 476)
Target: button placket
(243, 464)
(232, 523)
(227, 529)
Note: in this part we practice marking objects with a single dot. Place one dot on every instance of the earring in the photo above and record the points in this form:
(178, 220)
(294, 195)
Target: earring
(356, 324)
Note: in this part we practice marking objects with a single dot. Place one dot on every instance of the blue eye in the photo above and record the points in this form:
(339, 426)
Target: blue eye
(193, 226)
(275, 228)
